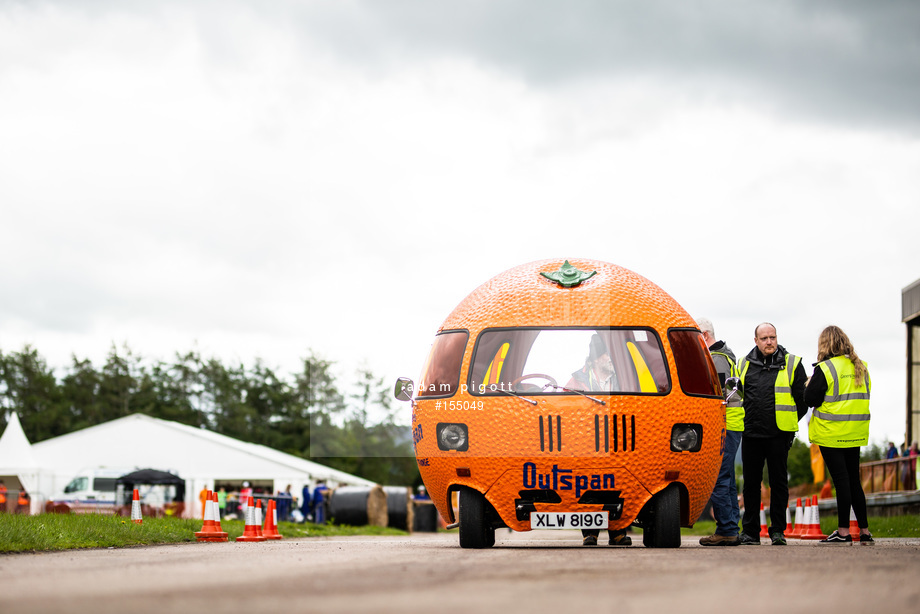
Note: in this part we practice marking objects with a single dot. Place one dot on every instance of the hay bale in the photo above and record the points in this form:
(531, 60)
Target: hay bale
(358, 506)
(377, 511)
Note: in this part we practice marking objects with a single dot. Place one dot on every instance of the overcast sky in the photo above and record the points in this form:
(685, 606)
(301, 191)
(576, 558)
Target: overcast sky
(255, 179)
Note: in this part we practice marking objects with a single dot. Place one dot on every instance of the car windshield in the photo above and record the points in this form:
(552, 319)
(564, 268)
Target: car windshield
(77, 485)
(569, 360)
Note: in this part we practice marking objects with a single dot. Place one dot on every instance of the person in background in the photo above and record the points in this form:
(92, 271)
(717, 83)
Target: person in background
(284, 504)
(307, 506)
(905, 467)
(724, 499)
(915, 454)
(2, 497)
(839, 392)
(233, 505)
(892, 451)
(221, 501)
(319, 502)
(203, 497)
(773, 383)
(22, 502)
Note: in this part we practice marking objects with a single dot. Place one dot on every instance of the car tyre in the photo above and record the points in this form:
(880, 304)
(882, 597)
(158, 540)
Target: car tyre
(475, 531)
(662, 530)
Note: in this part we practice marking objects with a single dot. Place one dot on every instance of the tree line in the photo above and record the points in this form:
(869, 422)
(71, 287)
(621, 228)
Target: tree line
(307, 414)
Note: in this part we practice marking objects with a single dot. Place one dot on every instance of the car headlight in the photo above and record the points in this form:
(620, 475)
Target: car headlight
(686, 437)
(453, 436)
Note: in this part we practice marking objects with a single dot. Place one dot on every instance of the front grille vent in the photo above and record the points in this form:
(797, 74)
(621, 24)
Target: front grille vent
(614, 432)
(550, 435)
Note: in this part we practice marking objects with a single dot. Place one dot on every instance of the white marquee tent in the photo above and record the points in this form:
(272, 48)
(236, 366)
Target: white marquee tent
(18, 468)
(199, 456)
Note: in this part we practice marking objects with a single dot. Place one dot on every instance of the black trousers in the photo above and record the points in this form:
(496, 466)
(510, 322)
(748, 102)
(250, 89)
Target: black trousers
(773, 451)
(843, 465)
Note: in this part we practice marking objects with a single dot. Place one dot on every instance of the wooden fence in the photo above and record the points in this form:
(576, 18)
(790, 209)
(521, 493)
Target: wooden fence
(897, 474)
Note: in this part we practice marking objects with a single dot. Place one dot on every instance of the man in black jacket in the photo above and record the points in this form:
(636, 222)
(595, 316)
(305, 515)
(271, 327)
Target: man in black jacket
(773, 382)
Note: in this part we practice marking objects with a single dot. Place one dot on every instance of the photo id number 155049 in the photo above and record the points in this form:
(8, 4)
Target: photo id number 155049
(568, 520)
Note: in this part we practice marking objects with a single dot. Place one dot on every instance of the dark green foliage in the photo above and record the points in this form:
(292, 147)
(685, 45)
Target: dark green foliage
(873, 452)
(80, 390)
(799, 464)
(307, 415)
(28, 387)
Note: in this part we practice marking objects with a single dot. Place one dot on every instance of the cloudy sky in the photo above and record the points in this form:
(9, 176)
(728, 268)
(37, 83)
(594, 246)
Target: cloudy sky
(256, 179)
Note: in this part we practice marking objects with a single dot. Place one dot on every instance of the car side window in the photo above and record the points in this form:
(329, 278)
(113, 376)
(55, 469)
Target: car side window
(695, 369)
(441, 375)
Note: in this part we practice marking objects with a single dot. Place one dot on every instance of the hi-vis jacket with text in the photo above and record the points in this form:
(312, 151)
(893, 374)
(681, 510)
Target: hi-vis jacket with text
(774, 393)
(841, 415)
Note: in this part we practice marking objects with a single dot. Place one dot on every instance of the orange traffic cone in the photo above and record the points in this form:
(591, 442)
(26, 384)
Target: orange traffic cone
(763, 523)
(250, 532)
(797, 527)
(259, 518)
(271, 522)
(215, 512)
(207, 524)
(806, 517)
(854, 525)
(210, 529)
(813, 530)
(136, 515)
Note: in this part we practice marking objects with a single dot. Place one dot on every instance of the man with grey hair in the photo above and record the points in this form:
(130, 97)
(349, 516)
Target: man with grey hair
(725, 493)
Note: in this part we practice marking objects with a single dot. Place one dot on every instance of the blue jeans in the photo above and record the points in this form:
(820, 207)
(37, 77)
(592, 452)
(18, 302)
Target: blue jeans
(725, 494)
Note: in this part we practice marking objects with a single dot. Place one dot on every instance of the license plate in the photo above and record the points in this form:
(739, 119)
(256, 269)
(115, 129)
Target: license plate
(568, 520)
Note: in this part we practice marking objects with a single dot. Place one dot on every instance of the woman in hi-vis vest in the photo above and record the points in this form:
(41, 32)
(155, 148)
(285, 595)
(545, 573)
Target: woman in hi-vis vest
(839, 393)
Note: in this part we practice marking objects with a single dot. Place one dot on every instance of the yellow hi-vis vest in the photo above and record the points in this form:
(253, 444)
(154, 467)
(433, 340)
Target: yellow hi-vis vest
(787, 418)
(734, 411)
(842, 421)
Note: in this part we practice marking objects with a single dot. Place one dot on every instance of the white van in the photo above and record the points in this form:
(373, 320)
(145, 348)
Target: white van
(92, 490)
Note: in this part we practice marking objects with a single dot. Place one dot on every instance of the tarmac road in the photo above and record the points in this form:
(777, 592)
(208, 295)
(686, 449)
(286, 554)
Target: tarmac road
(546, 571)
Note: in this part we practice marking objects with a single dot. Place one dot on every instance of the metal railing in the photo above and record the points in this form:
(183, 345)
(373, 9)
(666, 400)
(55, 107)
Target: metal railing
(894, 475)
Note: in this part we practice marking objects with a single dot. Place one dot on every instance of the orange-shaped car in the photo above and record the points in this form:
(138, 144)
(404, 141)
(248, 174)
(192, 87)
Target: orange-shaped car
(568, 394)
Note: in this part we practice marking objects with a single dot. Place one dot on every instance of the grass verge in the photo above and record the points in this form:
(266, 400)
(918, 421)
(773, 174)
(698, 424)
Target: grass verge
(49, 532)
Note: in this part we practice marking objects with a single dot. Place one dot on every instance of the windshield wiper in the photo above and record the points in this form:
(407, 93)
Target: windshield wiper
(587, 396)
(494, 388)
